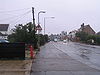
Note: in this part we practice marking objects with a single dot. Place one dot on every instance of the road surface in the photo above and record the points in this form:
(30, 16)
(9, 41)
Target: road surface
(88, 54)
(55, 58)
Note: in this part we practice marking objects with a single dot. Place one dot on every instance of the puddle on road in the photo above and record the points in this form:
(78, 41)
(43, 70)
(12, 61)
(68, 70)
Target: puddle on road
(84, 56)
(84, 51)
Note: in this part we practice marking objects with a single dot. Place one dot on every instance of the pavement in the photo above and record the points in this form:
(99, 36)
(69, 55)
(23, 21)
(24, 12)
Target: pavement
(15, 67)
(52, 61)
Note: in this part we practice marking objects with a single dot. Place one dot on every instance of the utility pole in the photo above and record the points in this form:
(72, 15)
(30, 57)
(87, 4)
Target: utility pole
(34, 36)
(33, 18)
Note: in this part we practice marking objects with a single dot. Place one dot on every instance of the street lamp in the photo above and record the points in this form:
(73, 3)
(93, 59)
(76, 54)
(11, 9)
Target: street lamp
(39, 29)
(39, 16)
(44, 22)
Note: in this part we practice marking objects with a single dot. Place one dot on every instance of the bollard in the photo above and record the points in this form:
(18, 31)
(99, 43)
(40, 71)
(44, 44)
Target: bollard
(31, 52)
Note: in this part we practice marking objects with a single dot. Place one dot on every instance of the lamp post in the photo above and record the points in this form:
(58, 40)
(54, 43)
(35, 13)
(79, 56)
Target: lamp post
(39, 29)
(44, 24)
(45, 20)
(39, 16)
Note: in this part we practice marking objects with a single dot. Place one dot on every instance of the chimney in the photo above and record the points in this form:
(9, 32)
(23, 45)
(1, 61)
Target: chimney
(82, 26)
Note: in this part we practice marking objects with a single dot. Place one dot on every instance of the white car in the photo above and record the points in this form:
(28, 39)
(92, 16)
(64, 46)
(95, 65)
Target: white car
(64, 41)
(55, 40)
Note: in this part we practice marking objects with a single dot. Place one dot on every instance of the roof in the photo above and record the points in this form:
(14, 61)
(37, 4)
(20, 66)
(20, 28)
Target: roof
(87, 29)
(87, 26)
(4, 27)
(3, 34)
(98, 33)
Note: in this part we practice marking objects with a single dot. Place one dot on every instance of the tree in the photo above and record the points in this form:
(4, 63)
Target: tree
(46, 38)
(26, 34)
(43, 39)
(82, 36)
(23, 33)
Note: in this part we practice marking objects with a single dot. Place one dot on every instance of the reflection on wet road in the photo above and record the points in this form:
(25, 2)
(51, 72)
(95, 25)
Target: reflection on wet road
(88, 54)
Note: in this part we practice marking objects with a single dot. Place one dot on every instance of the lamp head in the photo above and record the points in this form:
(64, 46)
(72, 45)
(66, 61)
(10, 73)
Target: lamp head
(42, 12)
(52, 17)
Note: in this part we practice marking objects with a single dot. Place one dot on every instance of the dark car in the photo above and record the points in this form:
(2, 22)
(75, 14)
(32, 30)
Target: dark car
(3, 41)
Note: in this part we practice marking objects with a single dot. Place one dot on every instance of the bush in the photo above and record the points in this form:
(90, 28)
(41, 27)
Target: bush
(24, 33)
(86, 38)
(82, 36)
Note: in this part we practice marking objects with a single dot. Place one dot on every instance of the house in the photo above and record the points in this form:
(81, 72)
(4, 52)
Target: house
(98, 33)
(87, 29)
(72, 35)
(4, 31)
(3, 36)
(63, 35)
(54, 36)
(84, 28)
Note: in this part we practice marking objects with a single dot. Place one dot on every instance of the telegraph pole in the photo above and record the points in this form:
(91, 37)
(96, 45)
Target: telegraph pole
(33, 18)
(34, 36)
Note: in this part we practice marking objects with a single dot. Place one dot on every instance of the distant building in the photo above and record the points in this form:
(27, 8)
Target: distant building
(84, 28)
(54, 36)
(4, 31)
(98, 33)
(72, 35)
(87, 29)
(63, 35)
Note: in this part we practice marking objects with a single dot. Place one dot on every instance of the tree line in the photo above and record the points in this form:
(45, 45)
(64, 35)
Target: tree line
(26, 33)
(87, 38)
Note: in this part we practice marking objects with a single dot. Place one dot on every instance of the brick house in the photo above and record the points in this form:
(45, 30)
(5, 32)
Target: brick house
(87, 29)
(84, 28)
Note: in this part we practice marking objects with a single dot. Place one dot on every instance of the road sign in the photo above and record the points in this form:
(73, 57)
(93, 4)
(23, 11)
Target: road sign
(38, 28)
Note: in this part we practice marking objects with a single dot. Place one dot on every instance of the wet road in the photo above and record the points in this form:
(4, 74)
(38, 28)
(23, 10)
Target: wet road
(53, 59)
(88, 54)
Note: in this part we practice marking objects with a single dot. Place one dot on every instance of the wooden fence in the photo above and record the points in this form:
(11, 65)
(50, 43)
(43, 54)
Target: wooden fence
(12, 50)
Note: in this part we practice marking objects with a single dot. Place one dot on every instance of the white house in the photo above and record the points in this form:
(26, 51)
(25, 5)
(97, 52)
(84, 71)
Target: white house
(72, 35)
(4, 31)
(63, 35)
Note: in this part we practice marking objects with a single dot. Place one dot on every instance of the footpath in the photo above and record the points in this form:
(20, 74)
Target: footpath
(52, 61)
(16, 67)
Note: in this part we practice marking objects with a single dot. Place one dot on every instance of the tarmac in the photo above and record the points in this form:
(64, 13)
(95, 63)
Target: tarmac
(52, 61)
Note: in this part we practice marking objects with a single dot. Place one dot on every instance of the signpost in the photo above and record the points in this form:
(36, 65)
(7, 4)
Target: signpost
(39, 29)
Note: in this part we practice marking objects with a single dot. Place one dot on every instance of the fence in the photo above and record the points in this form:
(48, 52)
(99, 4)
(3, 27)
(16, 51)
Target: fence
(12, 50)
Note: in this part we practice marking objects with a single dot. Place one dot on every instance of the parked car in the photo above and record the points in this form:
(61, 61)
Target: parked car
(55, 40)
(3, 41)
(64, 41)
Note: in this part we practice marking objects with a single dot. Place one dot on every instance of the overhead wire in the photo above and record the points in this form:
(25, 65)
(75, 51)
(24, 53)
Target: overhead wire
(16, 23)
(20, 17)
(12, 17)
(16, 18)
(13, 10)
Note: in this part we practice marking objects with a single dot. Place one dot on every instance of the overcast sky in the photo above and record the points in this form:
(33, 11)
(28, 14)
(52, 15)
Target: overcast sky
(69, 14)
